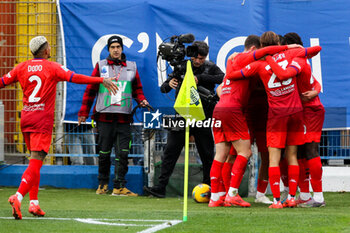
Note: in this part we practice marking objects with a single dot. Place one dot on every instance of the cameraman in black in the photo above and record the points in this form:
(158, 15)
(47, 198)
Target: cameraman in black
(206, 75)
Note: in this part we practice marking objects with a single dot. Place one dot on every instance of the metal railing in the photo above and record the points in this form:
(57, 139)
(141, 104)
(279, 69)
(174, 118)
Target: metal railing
(335, 144)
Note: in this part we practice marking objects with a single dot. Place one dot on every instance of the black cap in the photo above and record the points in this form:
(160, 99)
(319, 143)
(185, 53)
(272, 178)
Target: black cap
(115, 39)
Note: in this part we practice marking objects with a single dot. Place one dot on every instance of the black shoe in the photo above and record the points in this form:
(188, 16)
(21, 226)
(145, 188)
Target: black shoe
(155, 191)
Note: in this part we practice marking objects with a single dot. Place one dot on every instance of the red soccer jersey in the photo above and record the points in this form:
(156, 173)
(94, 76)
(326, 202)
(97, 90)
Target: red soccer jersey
(283, 96)
(38, 79)
(235, 95)
(307, 82)
(305, 79)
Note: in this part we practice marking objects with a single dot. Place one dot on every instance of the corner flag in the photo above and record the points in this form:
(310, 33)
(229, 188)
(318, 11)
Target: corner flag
(188, 104)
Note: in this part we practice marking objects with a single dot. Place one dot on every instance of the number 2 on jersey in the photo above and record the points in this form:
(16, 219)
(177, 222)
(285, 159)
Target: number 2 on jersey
(32, 98)
(272, 83)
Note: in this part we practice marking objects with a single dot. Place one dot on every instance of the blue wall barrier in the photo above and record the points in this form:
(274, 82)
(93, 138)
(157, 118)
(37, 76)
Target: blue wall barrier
(71, 177)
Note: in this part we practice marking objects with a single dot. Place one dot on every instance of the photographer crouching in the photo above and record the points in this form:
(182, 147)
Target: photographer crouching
(206, 75)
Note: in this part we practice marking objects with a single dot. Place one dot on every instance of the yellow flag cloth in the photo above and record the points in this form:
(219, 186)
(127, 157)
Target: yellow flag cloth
(188, 103)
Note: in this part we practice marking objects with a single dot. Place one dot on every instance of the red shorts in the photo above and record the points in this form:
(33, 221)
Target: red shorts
(37, 141)
(313, 118)
(286, 131)
(233, 126)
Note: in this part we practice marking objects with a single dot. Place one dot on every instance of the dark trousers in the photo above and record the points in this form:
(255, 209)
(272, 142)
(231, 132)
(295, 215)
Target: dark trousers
(176, 141)
(117, 135)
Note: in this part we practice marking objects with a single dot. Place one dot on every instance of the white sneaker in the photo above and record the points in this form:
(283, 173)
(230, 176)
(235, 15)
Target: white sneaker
(263, 199)
(311, 203)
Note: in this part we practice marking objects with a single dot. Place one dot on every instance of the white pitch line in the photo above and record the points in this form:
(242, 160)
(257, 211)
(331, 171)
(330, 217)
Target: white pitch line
(93, 221)
(98, 221)
(161, 226)
(136, 220)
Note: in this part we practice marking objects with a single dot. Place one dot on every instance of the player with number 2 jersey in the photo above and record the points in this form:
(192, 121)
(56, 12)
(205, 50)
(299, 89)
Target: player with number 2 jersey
(38, 78)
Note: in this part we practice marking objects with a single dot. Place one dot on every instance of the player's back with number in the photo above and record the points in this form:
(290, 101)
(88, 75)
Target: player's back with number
(283, 94)
(38, 79)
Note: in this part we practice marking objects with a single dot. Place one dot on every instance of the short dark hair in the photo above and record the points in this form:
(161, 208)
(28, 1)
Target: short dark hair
(293, 38)
(203, 48)
(252, 40)
(40, 52)
(269, 38)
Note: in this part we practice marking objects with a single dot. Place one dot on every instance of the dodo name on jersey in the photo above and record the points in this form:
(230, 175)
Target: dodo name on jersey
(35, 68)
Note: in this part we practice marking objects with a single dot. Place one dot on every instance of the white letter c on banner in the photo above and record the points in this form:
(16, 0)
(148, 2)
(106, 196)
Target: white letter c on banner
(226, 48)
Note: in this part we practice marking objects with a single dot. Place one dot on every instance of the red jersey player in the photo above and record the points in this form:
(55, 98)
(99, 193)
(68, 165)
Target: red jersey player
(309, 158)
(285, 118)
(38, 78)
(234, 129)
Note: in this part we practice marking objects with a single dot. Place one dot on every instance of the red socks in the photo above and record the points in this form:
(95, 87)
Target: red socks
(33, 192)
(303, 176)
(30, 177)
(215, 176)
(262, 186)
(293, 175)
(274, 179)
(315, 168)
(238, 170)
(226, 175)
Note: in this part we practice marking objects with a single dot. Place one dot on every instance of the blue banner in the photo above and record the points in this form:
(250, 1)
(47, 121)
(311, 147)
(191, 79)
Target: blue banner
(223, 24)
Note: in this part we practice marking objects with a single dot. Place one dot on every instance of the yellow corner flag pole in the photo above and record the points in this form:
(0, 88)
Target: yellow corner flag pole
(189, 106)
(187, 148)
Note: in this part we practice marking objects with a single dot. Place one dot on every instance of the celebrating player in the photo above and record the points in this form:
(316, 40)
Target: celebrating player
(38, 78)
(309, 158)
(234, 97)
(285, 118)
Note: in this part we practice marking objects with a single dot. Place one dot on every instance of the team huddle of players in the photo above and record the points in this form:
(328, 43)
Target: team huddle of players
(269, 94)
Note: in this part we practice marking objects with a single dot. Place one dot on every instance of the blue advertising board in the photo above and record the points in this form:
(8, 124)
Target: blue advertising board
(223, 24)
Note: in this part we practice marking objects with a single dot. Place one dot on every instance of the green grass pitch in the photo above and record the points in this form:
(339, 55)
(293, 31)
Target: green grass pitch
(81, 210)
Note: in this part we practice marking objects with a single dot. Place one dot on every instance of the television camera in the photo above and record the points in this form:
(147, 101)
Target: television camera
(175, 52)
